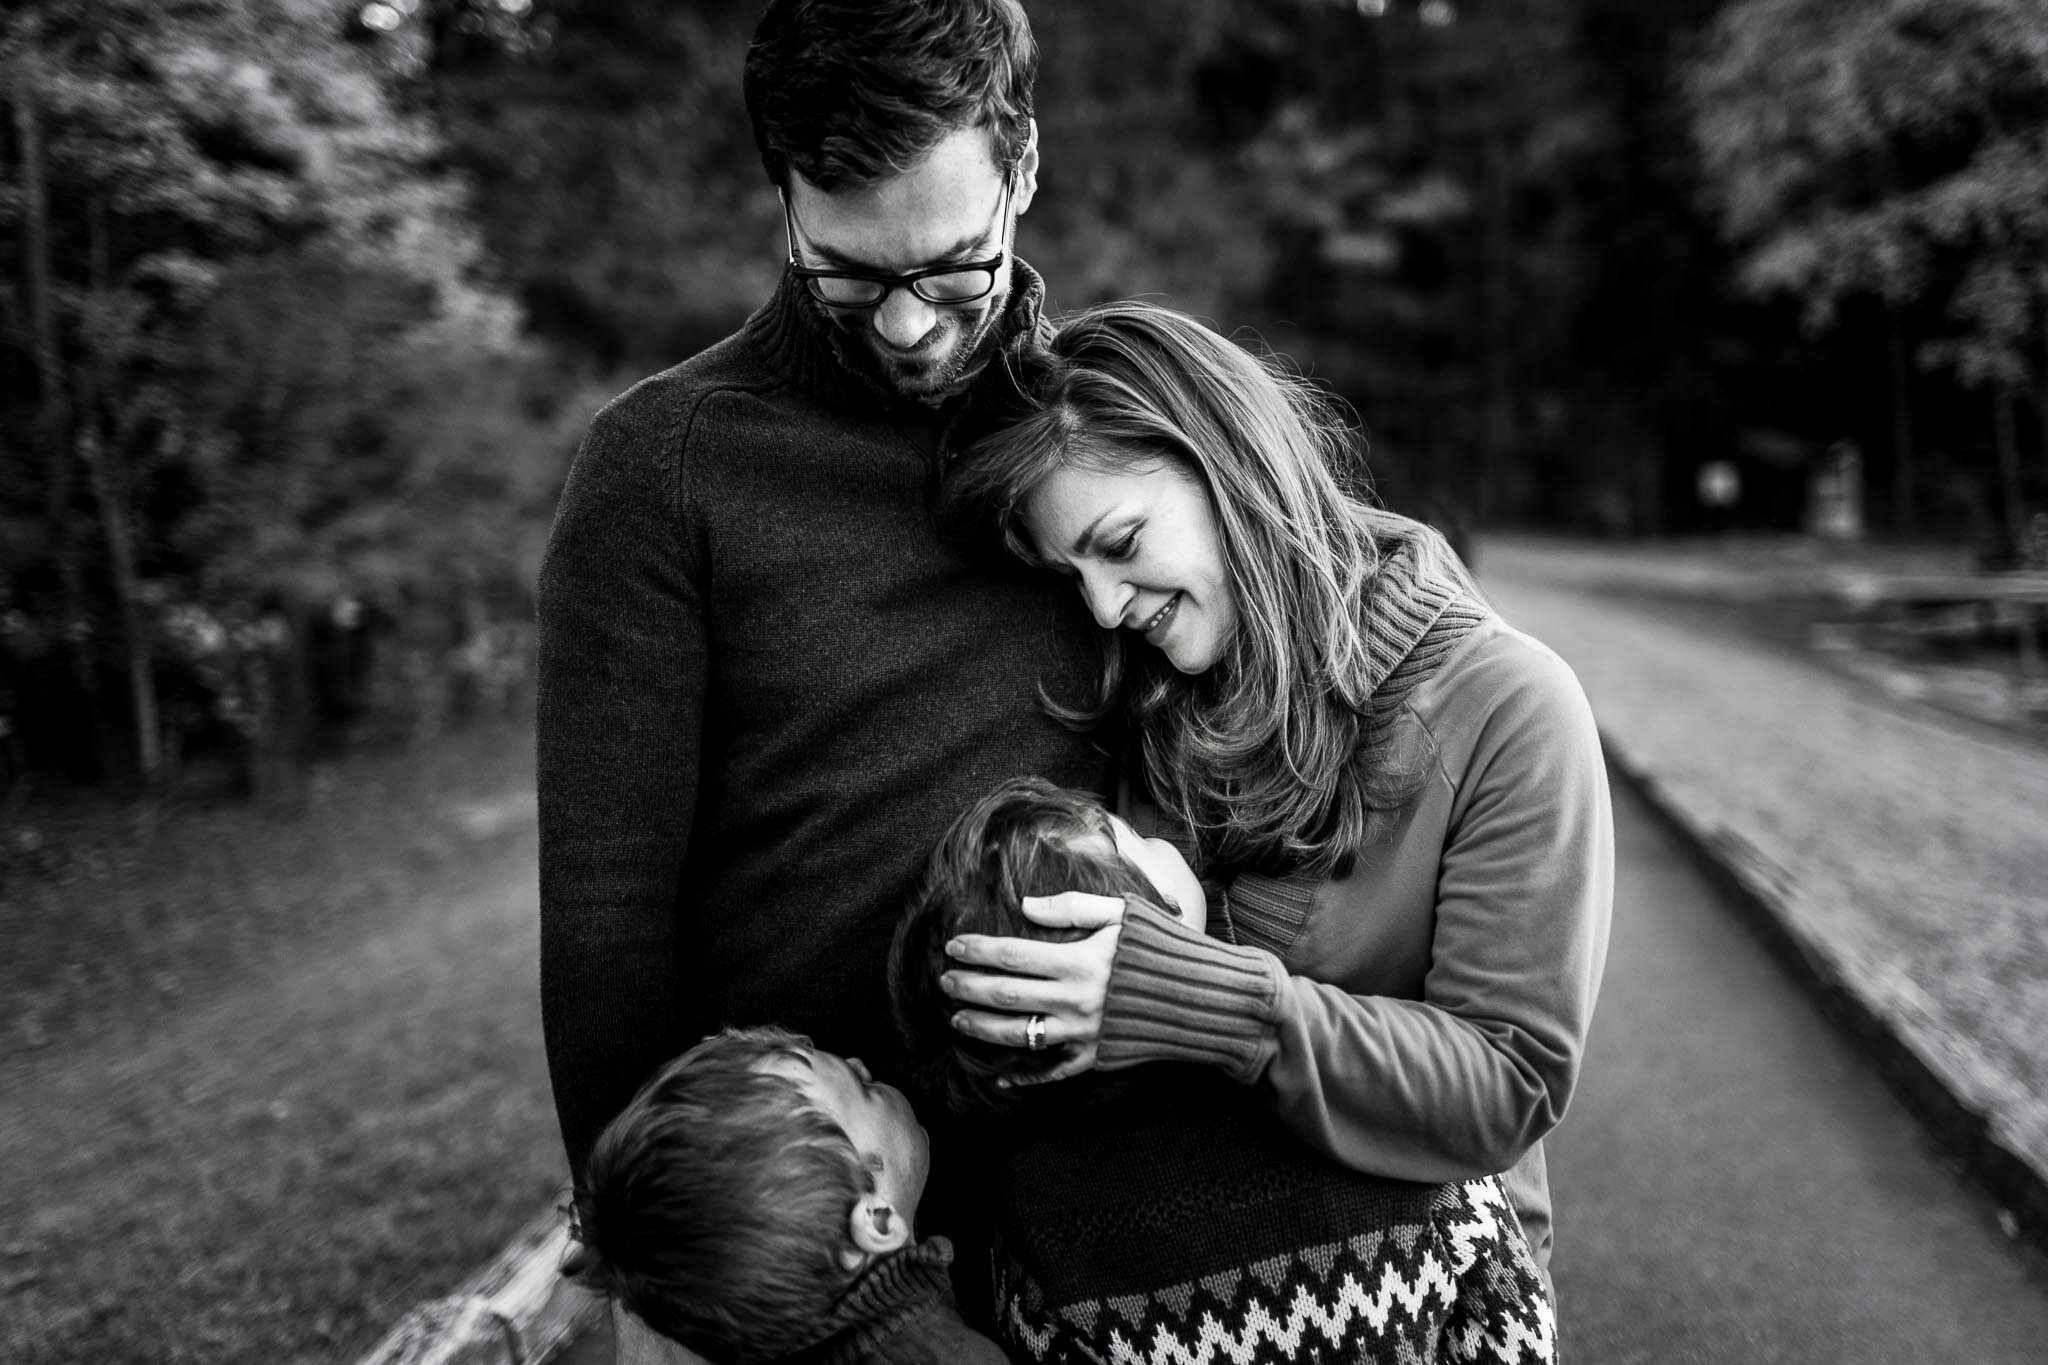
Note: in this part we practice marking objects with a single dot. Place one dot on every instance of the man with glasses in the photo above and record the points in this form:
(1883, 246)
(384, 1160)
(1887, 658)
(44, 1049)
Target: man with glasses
(766, 683)
(929, 351)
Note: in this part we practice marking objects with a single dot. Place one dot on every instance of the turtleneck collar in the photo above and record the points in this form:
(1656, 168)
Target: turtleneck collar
(888, 1294)
(1410, 594)
(796, 338)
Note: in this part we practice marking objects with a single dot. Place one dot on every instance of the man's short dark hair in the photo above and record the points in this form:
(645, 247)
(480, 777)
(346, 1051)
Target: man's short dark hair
(716, 1205)
(1018, 841)
(848, 92)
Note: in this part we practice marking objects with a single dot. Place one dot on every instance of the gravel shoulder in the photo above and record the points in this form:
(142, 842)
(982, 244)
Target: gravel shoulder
(1902, 845)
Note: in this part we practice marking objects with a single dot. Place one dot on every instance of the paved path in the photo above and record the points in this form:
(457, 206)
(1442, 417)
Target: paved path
(1733, 1181)
(1901, 847)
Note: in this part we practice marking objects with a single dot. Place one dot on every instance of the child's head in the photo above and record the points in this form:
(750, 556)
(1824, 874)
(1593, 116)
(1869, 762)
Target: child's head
(1025, 838)
(746, 1186)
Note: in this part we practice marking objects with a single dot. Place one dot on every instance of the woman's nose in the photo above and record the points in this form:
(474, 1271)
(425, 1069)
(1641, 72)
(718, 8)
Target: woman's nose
(903, 318)
(1106, 598)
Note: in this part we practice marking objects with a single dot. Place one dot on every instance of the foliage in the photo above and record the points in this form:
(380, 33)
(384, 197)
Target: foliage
(1897, 149)
(301, 293)
(615, 176)
(1378, 190)
(272, 341)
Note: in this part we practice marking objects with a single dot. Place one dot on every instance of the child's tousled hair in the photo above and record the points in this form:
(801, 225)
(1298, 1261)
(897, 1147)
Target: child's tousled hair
(715, 1206)
(1018, 841)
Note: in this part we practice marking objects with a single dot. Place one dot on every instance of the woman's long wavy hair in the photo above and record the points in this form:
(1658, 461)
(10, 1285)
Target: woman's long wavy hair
(1268, 755)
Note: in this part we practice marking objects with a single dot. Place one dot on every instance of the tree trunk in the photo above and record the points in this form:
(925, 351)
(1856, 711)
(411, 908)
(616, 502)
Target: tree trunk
(2041, 393)
(52, 412)
(2010, 487)
(1904, 520)
(108, 489)
(35, 212)
(102, 459)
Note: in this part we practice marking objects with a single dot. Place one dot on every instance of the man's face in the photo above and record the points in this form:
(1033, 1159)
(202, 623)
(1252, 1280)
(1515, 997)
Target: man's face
(946, 209)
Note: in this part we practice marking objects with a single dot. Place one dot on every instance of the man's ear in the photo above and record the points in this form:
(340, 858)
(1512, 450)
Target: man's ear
(1027, 171)
(877, 1228)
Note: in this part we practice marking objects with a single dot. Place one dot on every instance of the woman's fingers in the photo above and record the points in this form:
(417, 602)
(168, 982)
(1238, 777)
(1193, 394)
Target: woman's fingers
(1062, 984)
(1074, 910)
(1018, 956)
(1009, 1030)
(1014, 1030)
(1009, 994)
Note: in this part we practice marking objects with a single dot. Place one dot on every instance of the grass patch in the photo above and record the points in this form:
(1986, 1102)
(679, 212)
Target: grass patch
(341, 1108)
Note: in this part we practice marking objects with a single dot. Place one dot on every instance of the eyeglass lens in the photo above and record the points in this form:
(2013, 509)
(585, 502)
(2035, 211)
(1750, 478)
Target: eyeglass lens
(955, 286)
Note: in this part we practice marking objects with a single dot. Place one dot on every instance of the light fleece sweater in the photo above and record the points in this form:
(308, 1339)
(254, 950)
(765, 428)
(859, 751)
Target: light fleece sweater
(1423, 1015)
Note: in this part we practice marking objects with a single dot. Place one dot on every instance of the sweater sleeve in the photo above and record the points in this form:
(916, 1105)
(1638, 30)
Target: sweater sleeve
(618, 719)
(1461, 1082)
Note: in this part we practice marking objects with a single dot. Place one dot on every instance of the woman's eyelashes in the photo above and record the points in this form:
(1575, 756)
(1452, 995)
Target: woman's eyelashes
(1123, 547)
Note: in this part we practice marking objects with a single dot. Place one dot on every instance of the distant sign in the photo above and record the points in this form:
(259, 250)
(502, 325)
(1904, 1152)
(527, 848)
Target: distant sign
(1718, 484)
(1834, 494)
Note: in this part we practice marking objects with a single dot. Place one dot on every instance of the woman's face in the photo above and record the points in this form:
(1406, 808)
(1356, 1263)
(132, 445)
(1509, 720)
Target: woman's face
(1143, 542)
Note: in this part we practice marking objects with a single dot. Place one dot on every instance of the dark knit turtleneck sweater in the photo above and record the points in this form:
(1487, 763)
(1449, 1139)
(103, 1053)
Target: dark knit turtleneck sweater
(900, 1311)
(766, 686)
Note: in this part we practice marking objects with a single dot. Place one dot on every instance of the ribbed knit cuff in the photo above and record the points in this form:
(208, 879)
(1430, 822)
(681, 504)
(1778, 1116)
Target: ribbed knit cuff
(1177, 995)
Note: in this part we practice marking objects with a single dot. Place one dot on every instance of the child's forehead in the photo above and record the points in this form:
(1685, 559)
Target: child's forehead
(1108, 839)
(1099, 842)
(796, 1064)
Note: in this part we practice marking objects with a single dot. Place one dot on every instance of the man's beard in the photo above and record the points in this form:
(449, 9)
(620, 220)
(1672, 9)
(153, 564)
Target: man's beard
(972, 338)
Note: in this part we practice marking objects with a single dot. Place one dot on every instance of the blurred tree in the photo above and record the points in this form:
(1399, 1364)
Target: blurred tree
(1416, 179)
(1650, 336)
(262, 354)
(618, 180)
(1896, 150)
(615, 174)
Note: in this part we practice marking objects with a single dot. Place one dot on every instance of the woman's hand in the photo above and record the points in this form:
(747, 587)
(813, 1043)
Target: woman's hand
(1067, 983)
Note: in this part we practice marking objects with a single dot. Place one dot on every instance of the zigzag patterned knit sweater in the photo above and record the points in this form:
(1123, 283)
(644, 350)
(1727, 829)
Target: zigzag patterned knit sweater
(1175, 1221)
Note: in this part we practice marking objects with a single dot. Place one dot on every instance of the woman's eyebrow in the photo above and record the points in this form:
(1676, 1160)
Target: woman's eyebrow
(1086, 540)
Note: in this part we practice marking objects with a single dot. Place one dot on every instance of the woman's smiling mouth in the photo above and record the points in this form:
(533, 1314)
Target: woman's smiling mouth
(1160, 619)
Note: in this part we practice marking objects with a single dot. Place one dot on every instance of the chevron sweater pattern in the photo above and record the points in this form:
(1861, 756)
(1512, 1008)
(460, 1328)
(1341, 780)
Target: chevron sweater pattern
(1174, 1222)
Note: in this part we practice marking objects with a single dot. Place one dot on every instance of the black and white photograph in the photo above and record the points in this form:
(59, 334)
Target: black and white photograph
(1024, 682)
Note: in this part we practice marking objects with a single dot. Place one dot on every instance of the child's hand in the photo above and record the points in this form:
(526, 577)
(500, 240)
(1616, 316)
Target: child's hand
(1065, 984)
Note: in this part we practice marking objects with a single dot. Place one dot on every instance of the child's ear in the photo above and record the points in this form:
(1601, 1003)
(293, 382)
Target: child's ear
(877, 1228)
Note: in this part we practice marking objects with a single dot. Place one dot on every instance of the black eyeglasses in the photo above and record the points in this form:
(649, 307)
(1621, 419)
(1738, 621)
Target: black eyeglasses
(961, 282)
